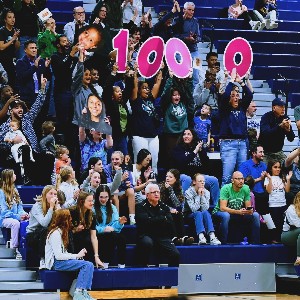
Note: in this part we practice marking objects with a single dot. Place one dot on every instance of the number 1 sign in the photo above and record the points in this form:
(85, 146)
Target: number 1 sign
(151, 53)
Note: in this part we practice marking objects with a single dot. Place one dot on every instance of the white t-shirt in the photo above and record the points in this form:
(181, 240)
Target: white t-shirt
(277, 196)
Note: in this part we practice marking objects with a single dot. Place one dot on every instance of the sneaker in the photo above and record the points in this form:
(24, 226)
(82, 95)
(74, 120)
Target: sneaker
(177, 241)
(188, 240)
(42, 264)
(202, 240)
(262, 25)
(120, 266)
(18, 255)
(268, 24)
(273, 25)
(254, 24)
(87, 295)
(132, 221)
(215, 241)
(79, 295)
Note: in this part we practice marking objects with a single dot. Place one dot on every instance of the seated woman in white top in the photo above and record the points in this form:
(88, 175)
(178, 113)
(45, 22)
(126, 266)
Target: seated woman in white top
(240, 11)
(58, 258)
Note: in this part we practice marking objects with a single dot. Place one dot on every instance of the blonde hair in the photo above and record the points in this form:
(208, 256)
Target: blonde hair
(64, 175)
(297, 204)
(48, 127)
(42, 198)
(60, 150)
(8, 187)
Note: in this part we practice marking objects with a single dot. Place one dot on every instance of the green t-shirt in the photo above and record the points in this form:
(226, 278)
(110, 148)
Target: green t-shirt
(235, 200)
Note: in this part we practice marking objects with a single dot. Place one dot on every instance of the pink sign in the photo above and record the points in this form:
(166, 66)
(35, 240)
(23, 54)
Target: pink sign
(173, 47)
(238, 46)
(120, 42)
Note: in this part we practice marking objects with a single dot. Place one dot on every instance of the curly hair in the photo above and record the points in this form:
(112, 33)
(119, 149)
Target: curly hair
(61, 220)
(297, 204)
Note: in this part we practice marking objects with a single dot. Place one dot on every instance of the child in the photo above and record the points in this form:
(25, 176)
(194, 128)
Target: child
(58, 258)
(95, 81)
(11, 135)
(203, 124)
(277, 185)
(47, 143)
(11, 208)
(62, 158)
(67, 183)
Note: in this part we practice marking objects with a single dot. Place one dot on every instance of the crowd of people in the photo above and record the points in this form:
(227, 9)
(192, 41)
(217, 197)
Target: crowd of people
(97, 138)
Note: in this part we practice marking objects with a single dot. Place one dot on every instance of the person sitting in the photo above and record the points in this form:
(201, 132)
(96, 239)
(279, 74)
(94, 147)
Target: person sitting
(84, 227)
(266, 12)
(155, 229)
(196, 208)
(240, 11)
(108, 227)
(171, 195)
(11, 208)
(95, 164)
(62, 158)
(11, 135)
(40, 217)
(291, 227)
(234, 206)
(57, 257)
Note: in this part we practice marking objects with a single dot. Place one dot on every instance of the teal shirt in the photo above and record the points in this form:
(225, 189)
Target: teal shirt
(235, 200)
(175, 118)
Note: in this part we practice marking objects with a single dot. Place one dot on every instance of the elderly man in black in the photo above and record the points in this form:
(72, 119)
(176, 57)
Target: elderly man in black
(155, 228)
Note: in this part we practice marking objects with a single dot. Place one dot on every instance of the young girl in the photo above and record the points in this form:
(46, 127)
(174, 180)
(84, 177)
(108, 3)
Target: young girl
(67, 183)
(58, 258)
(62, 158)
(40, 217)
(109, 226)
(277, 185)
(196, 207)
(93, 181)
(84, 227)
(126, 187)
(11, 209)
(171, 194)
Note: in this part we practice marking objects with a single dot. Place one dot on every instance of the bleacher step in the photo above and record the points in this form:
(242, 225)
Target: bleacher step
(12, 263)
(30, 296)
(21, 286)
(6, 252)
(17, 275)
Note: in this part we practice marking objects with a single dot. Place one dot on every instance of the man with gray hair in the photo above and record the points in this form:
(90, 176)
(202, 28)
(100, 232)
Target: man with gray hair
(155, 229)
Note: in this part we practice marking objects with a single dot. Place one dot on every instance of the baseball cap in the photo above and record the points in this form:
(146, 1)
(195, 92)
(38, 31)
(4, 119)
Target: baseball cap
(278, 101)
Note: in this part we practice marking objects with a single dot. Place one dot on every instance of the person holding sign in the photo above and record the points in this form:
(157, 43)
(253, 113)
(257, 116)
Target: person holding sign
(233, 126)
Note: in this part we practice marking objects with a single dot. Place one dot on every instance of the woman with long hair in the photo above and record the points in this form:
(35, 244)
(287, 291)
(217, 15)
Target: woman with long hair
(291, 228)
(109, 226)
(84, 227)
(40, 217)
(171, 194)
(11, 209)
(57, 257)
(190, 158)
(277, 184)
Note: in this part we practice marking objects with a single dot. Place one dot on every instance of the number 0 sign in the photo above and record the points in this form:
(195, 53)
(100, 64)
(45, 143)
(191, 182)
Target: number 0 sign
(151, 54)
(234, 47)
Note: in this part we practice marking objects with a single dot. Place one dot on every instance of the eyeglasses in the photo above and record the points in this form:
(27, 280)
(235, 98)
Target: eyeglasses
(154, 192)
(80, 12)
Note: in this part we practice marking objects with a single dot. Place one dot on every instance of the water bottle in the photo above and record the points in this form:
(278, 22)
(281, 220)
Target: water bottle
(212, 145)
(245, 241)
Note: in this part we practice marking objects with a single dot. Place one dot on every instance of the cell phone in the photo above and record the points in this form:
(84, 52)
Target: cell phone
(249, 208)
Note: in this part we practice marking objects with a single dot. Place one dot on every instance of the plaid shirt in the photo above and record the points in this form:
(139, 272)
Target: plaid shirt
(26, 122)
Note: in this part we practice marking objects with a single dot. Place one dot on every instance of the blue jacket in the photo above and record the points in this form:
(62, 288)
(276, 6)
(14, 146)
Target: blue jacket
(15, 212)
(114, 220)
(24, 78)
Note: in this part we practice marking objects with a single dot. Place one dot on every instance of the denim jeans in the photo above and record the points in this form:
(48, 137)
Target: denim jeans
(211, 184)
(233, 153)
(86, 271)
(203, 221)
(248, 220)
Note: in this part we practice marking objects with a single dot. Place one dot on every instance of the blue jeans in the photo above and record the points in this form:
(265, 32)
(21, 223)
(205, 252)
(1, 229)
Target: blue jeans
(85, 268)
(203, 221)
(248, 220)
(211, 184)
(233, 153)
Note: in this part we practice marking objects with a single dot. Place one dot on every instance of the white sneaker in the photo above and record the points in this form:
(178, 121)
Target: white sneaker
(254, 24)
(215, 241)
(132, 221)
(120, 266)
(105, 265)
(202, 240)
(18, 255)
(87, 295)
(42, 264)
(262, 25)
(273, 25)
(268, 21)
